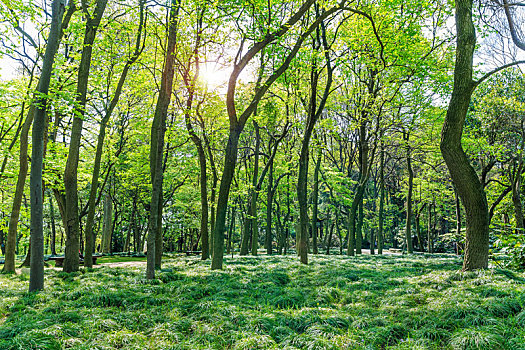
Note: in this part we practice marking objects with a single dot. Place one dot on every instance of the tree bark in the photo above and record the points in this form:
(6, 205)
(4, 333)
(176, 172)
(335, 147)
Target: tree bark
(157, 145)
(380, 233)
(71, 261)
(52, 241)
(9, 266)
(315, 200)
(237, 123)
(107, 224)
(408, 227)
(36, 274)
(88, 261)
(463, 175)
(269, 203)
(255, 191)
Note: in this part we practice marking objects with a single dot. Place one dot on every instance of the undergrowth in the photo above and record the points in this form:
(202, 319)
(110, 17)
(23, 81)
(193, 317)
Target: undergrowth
(336, 302)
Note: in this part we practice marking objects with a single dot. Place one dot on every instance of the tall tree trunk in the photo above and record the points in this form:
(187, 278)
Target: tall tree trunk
(230, 159)
(232, 229)
(269, 203)
(380, 233)
(237, 123)
(315, 200)
(107, 224)
(255, 191)
(36, 275)
(359, 229)
(329, 240)
(408, 227)
(463, 175)
(458, 215)
(88, 260)
(429, 229)
(71, 261)
(246, 234)
(421, 242)
(9, 266)
(52, 241)
(157, 145)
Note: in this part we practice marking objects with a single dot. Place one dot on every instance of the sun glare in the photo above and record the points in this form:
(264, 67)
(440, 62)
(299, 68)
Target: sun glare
(214, 75)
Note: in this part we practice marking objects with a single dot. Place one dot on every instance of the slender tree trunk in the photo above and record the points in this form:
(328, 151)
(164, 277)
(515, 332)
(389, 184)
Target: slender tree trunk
(408, 227)
(246, 234)
(53, 227)
(237, 123)
(230, 160)
(88, 260)
(458, 215)
(9, 266)
(71, 261)
(421, 242)
(255, 191)
(232, 229)
(429, 229)
(463, 175)
(157, 145)
(380, 233)
(329, 240)
(269, 202)
(203, 181)
(359, 229)
(36, 275)
(107, 225)
(315, 200)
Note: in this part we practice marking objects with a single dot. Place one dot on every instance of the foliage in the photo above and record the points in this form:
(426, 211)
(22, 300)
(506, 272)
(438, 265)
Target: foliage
(366, 302)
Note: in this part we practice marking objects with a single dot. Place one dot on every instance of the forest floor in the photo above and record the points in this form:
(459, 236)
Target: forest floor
(270, 302)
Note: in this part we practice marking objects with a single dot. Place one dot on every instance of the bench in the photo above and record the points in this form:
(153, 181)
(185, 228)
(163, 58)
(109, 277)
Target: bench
(59, 260)
(395, 250)
(192, 252)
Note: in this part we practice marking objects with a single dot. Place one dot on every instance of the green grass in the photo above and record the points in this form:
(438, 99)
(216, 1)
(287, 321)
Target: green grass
(365, 302)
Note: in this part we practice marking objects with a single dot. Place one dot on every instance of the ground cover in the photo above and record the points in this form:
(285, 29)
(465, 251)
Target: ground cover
(336, 302)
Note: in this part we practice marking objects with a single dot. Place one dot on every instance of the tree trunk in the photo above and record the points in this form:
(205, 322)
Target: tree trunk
(458, 215)
(429, 230)
(269, 202)
(107, 224)
(52, 241)
(230, 159)
(315, 200)
(232, 229)
(9, 266)
(157, 145)
(36, 275)
(88, 261)
(246, 234)
(255, 191)
(71, 261)
(408, 227)
(237, 123)
(329, 240)
(359, 229)
(463, 175)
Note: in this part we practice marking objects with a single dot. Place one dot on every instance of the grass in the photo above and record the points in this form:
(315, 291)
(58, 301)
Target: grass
(336, 302)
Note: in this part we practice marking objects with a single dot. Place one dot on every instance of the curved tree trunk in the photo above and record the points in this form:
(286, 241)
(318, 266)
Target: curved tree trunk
(9, 266)
(463, 175)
